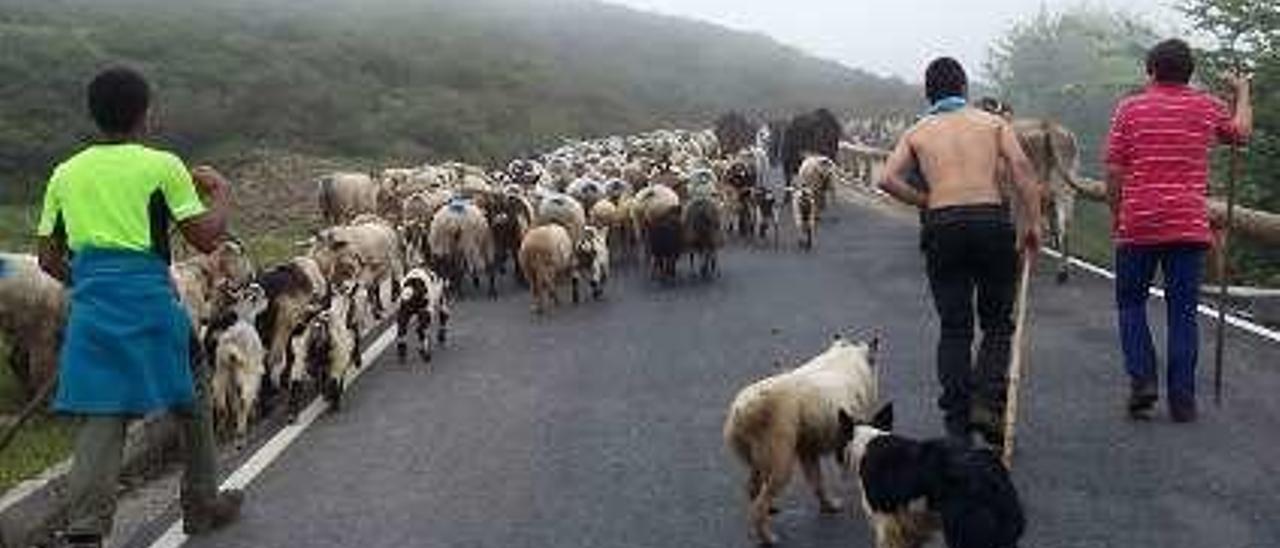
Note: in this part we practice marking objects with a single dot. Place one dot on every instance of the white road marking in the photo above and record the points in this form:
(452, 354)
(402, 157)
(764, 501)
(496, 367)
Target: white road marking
(1209, 311)
(173, 537)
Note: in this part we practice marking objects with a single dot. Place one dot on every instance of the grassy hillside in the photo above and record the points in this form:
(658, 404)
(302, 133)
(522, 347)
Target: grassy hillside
(393, 79)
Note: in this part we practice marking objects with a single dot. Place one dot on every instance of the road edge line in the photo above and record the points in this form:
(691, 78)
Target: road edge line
(173, 537)
(1204, 309)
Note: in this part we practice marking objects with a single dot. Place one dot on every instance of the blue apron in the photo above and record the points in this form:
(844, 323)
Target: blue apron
(126, 346)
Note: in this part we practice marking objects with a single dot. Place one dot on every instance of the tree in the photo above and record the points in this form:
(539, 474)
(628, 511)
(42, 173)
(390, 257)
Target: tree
(1071, 67)
(1246, 35)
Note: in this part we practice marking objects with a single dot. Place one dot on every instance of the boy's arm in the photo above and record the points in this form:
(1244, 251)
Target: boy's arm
(52, 253)
(199, 200)
(206, 230)
(901, 161)
(51, 232)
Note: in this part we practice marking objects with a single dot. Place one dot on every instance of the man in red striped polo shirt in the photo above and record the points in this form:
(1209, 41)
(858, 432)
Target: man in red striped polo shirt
(1157, 176)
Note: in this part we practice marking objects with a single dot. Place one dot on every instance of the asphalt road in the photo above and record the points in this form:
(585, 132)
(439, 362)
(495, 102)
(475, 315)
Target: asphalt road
(600, 425)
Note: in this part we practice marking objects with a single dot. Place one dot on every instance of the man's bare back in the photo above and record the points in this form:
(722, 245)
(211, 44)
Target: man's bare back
(962, 155)
(958, 153)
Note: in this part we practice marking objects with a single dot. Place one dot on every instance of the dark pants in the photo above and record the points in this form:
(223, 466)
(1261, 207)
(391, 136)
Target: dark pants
(99, 446)
(972, 263)
(1183, 267)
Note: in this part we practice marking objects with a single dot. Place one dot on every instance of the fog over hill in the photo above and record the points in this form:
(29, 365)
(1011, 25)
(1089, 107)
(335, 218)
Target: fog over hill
(479, 80)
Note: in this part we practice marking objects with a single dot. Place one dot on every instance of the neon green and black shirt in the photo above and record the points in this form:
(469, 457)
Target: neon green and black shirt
(118, 197)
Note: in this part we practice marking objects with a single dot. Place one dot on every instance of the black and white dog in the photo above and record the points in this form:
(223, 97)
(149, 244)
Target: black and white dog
(912, 489)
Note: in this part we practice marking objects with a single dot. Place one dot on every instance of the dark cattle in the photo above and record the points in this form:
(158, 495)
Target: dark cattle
(734, 132)
(702, 233)
(816, 132)
(666, 243)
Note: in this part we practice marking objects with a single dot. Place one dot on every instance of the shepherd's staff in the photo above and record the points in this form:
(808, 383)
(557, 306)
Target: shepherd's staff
(29, 411)
(1223, 256)
(1016, 359)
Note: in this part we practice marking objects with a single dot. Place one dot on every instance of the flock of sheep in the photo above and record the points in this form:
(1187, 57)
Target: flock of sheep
(409, 241)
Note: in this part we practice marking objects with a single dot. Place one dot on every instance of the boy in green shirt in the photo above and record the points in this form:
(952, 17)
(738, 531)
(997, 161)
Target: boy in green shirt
(104, 230)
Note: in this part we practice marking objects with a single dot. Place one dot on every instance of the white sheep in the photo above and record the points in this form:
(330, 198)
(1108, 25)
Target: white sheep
(586, 190)
(563, 210)
(33, 312)
(546, 257)
(379, 248)
(656, 201)
(343, 196)
(818, 174)
(461, 244)
(796, 415)
(417, 211)
(804, 211)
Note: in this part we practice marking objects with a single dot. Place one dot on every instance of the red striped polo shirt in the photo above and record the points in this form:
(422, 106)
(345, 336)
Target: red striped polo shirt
(1159, 143)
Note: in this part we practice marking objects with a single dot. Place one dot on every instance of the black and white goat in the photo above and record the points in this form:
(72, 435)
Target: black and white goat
(239, 360)
(423, 299)
(325, 348)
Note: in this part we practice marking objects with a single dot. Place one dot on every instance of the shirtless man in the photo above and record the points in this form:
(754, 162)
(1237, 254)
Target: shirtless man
(969, 242)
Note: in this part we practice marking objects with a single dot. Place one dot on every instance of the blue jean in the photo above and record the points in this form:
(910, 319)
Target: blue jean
(1183, 267)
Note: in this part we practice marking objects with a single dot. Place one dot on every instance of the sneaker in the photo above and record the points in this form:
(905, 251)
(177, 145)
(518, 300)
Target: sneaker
(200, 518)
(1142, 401)
(1183, 412)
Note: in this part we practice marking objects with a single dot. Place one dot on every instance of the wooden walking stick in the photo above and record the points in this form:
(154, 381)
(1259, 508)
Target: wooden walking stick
(1224, 277)
(28, 411)
(1016, 359)
(1220, 336)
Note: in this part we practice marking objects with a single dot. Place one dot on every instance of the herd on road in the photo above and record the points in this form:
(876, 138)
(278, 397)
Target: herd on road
(407, 243)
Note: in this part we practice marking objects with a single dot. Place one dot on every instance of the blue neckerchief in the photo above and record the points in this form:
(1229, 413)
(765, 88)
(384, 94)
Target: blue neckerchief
(948, 104)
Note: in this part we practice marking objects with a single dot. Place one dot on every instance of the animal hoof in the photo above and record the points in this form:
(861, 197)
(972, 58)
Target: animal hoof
(768, 538)
(426, 357)
(832, 506)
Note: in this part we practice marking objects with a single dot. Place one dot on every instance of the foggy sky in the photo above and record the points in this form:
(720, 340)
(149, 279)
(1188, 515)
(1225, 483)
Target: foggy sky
(890, 37)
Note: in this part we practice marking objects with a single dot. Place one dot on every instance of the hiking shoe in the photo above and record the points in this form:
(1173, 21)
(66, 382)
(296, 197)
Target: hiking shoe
(1142, 401)
(203, 517)
(1183, 412)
